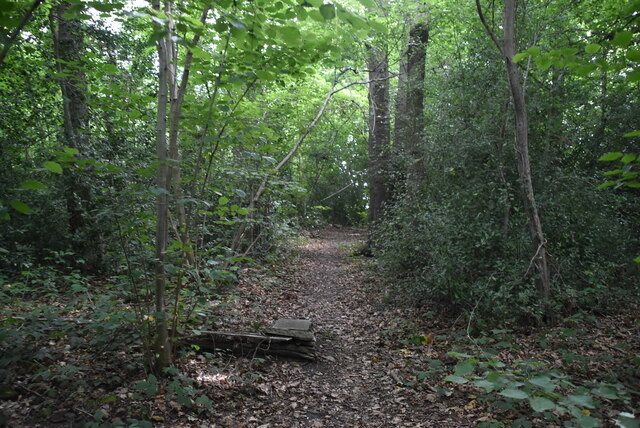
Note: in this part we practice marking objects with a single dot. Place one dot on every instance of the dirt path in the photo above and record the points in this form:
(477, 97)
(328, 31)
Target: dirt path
(356, 381)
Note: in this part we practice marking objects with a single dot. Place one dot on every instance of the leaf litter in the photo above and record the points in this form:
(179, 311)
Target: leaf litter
(381, 360)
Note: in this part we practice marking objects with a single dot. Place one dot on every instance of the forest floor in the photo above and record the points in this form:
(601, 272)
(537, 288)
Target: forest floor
(380, 362)
(359, 378)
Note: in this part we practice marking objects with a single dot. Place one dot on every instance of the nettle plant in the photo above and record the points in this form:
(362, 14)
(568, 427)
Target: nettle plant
(530, 386)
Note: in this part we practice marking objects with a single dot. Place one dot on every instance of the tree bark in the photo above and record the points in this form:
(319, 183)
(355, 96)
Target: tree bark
(539, 259)
(68, 48)
(379, 133)
(162, 347)
(413, 134)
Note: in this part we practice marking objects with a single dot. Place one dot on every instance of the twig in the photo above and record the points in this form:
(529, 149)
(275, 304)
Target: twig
(335, 193)
(542, 244)
(486, 26)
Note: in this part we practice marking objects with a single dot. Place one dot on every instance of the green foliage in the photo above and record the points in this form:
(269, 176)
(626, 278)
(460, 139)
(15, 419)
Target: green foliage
(530, 386)
(461, 238)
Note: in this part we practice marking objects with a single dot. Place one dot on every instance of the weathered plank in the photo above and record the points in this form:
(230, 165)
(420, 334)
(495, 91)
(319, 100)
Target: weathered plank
(296, 328)
(292, 324)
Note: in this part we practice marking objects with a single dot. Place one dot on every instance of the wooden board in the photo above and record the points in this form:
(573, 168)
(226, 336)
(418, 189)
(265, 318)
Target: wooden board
(297, 329)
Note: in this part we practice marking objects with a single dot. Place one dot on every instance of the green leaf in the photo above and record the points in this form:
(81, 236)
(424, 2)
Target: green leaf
(316, 15)
(607, 184)
(205, 402)
(264, 75)
(582, 401)
(53, 167)
(637, 259)
(456, 379)
(458, 354)
(520, 56)
(516, 394)
(290, 35)
(109, 399)
(464, 368)
(588, 422)
(628, 158)
(543, 382)
(241, 193)
(32, 185)
(103, 7)
(632, 134)
(605, 392)
(540, 404)
(71, 151)
(633, 55)
(369, 4)
(109, 68)
(149, 387)
(543, 62)
(378, 26)
(611, 156)
(243, 211)
(485, 384)
(627, 420)
(534, 51)
(223, 200)
(592, 48)
(21, 207)
(328, 11)
(612, 172)
(634, 77)
(622, 39)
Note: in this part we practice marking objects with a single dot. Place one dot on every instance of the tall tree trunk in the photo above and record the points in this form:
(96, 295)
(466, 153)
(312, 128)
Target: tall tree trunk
(170, 92)
(412, 136)
(398, 168)
(539, 259)
(379, 132)
(162, 346)
(68, 47)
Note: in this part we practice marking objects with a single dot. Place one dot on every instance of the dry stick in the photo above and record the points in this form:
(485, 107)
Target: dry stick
(252, 243)
(542, 244)
(265, 180)
(16, 31)
(335, 193)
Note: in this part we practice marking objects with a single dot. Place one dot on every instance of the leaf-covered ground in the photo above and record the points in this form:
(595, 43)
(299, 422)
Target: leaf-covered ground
(380, 362)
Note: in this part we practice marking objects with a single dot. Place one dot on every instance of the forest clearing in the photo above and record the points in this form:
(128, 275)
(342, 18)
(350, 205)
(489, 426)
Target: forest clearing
(318, 213)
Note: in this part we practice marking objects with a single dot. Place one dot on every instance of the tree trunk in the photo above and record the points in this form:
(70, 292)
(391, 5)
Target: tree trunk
(68, 49)
(414, 110)
(539, 259)
(379, 133)
(162, 346)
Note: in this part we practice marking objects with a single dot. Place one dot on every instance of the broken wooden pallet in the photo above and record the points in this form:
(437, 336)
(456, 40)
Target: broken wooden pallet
(287, 337)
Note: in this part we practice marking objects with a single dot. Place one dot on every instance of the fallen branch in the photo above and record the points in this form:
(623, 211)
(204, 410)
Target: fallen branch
(250, 344)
